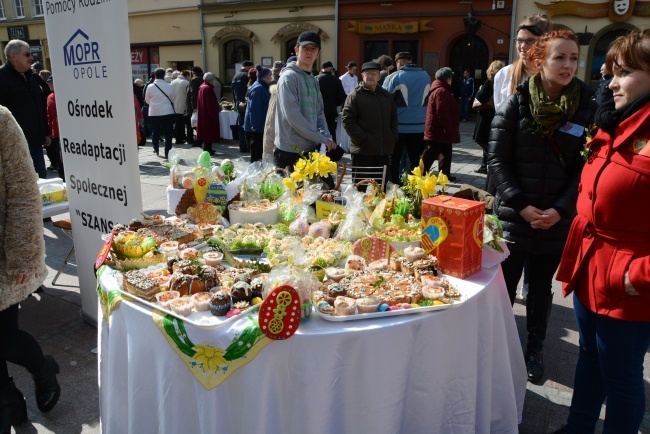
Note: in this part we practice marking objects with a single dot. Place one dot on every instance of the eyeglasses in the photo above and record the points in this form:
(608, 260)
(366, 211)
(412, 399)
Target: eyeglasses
(27, 54)
(529, 41)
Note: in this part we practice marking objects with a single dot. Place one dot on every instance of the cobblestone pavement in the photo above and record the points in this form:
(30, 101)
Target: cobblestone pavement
(53, 318)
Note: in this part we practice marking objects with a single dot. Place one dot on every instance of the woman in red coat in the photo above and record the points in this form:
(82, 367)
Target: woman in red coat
(606, 261)
(441, 128)
(208, 108)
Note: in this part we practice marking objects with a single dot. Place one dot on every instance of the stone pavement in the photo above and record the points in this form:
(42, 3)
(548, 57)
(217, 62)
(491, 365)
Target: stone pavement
(53, 318)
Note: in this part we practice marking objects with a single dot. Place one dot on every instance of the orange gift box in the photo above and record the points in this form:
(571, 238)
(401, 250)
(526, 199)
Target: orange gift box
(452, 229)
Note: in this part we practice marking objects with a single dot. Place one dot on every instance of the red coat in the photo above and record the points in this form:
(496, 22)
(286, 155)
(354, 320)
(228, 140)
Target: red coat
(442, 124)
(611, 236)
(207, 106)
(52, 118)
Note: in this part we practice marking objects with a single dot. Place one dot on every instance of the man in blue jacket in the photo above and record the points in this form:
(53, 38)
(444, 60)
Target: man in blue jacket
(466, 95)
(410, 86)
(239, 89)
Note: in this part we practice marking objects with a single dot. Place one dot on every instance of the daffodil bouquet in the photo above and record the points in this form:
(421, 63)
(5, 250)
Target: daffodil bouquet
(308, 168)
(419, 185)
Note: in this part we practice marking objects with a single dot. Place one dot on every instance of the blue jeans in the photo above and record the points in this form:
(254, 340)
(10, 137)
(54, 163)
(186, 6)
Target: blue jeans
(166, 123)
(39, 161)
(610, 365)
(464, 106)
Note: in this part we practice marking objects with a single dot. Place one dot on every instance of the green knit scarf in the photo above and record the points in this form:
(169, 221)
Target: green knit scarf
(551, 115)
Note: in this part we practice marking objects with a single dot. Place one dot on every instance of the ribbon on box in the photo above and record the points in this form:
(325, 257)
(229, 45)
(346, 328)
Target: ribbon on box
(209, 362)
(109, 298)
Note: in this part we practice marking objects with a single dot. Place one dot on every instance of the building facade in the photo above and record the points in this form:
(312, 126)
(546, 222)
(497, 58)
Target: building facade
(263, 32)
(437, 33)
(165, 33)
(597, 24)
(24, 19)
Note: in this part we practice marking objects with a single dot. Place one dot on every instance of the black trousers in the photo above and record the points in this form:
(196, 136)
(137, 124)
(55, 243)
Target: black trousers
(438, 151)
(179, 127)
(284, 159)
(541, 269)
(414, 145)
(189, 132)
(256, 142)
(331, 124)
(159, 124)
(54, 153)
(17, 346)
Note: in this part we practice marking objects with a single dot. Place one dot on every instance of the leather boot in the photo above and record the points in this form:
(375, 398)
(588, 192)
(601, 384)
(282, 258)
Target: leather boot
(538, 312)
(47, 388)
(13, 409)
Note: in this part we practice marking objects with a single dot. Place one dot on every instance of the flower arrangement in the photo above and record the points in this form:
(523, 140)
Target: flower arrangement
(419, 185)
(307, 168)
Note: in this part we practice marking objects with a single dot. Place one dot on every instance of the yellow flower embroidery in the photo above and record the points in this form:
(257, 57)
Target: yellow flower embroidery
(210, 357)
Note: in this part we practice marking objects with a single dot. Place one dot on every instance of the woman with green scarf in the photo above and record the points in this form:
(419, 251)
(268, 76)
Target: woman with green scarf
(534, 162)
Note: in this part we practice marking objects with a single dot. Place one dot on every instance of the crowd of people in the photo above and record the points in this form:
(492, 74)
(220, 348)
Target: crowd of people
(566, 202)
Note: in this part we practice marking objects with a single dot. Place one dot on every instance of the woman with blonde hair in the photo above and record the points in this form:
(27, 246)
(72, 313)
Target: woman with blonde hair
(534, 161)
(606, 261)
(509, 78)
(485, 108)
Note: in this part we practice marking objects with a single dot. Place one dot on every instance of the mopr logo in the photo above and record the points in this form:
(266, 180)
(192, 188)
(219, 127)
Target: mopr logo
(83, 54)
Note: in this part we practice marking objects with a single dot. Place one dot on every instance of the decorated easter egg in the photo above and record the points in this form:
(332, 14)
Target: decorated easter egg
(217, 195)
(204, 160)
(188, 182)
(279, 316)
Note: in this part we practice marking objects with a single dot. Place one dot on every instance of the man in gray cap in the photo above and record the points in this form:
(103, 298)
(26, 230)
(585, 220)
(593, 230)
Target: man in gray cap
(277, 67)
(333, 94)
(442, 123)
(370, 119)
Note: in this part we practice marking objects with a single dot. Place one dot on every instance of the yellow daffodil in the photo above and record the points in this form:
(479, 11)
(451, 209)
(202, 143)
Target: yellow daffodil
(428, 185)
(210, 357)
(297, 176)
(300, 165)
(417, 172)
(311, 169)
(443, 180)
(290, 184)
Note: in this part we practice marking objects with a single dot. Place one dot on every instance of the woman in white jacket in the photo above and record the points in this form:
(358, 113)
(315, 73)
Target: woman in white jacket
(508, 78)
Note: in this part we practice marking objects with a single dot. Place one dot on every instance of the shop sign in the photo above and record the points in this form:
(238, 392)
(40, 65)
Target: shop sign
(18, 32)
(139, 62)
(617, 10)
(389, 27)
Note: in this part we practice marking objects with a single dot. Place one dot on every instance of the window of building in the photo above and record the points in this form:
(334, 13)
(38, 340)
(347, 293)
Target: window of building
(373, 48)
(3, 14)
(235, 52)
(37, 8)
(18, 8)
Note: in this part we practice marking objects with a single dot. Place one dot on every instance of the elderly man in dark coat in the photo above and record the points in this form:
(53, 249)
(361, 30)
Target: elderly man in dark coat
(22, 95)
(333, 94)
(370, 119)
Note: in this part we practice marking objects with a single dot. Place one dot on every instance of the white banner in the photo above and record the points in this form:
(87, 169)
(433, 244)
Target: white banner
(91, 66)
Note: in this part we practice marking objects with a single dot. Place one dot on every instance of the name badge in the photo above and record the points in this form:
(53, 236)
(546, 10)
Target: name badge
(573, 129)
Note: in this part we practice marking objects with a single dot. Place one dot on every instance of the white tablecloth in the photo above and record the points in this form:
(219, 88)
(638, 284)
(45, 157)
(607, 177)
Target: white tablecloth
(226, 119)
(455, 371)
(342, 138)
